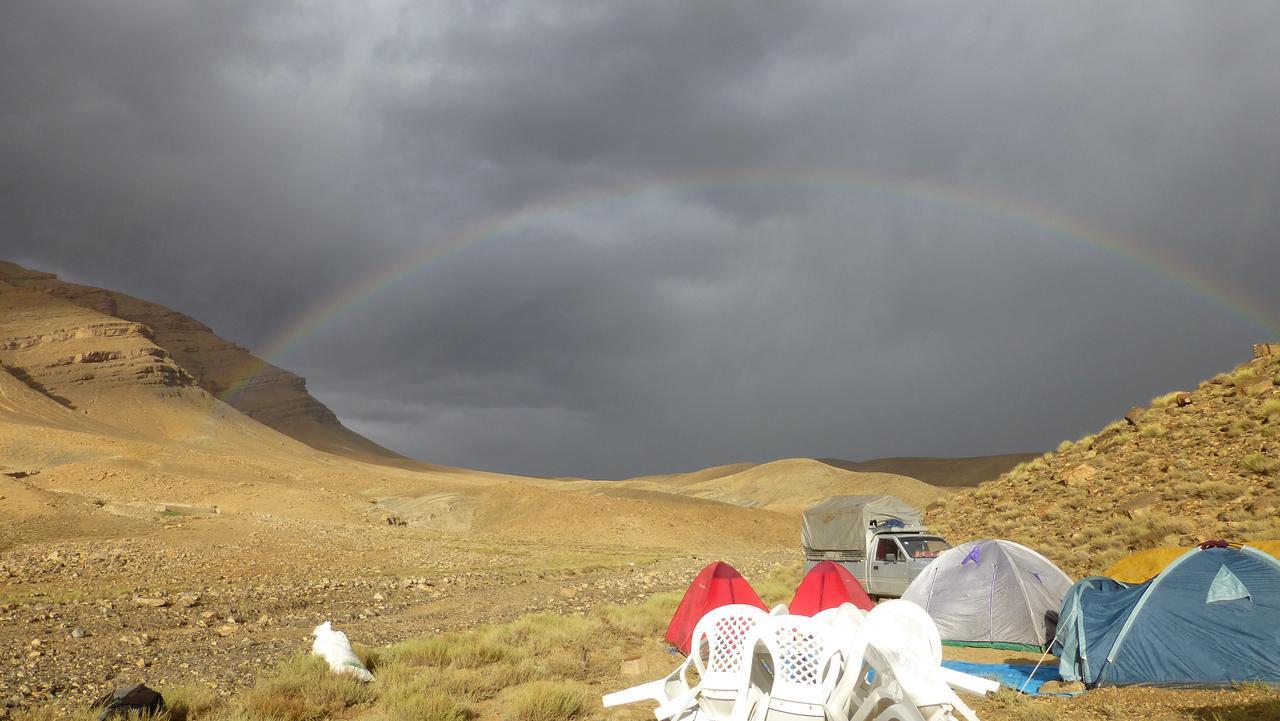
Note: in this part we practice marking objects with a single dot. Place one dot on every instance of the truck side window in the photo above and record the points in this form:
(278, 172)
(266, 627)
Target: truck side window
(887, 550)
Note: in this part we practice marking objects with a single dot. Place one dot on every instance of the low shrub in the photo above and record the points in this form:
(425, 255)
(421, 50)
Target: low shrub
(1154, 430)
(1258, 463)
(1270, 408)
(303, 689)
(546, 701)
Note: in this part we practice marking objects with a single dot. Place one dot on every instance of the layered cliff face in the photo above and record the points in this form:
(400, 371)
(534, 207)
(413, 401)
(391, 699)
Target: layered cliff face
(73, 343)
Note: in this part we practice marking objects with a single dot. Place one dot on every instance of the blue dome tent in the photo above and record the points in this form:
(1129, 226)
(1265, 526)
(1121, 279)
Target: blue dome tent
(1211, 618)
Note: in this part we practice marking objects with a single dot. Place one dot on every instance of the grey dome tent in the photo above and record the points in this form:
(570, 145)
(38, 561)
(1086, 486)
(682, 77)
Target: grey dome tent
(992, 593)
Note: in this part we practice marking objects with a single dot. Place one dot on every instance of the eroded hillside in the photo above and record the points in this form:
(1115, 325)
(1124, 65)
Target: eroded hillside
(73, 340)
(1194, 465)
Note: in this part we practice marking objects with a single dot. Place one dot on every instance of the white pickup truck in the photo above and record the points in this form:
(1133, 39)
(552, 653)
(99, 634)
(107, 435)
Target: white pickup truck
(879, 539)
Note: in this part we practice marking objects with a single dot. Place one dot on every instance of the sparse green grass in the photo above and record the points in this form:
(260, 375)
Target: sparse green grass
(1259, 463)
(1154, 430)
(1165, 400)
(303, 689)
(1065, 446)
(1220, 490)
(189, 702)
(546, 701)
(1243, 375)
(646, 619)
(457, 650)
(1270, 408)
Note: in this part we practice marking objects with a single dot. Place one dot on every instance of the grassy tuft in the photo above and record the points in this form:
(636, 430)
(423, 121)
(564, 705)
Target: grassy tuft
(189, 702)
(647, 619)
(546, 701)
(303, 689)
(1259, 463)
(1270, 408)
(458, 650)
(1154, 430)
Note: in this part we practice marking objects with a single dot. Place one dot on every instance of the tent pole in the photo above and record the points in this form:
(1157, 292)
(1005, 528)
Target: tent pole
(1043, 656)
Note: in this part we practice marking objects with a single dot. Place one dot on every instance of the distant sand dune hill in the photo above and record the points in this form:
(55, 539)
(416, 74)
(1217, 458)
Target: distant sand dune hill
(946, 472)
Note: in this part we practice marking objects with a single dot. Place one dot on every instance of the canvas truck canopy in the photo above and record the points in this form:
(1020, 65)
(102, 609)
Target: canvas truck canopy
(840, 523)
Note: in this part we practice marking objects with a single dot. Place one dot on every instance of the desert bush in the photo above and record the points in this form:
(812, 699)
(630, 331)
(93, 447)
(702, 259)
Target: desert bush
(1065, 446)
(1270, 408)
(1243, 376)
(780, 584)
(1240, 426)
(1217, 490)
(1165, 400)
(646, 619)
(51, 713)
(459, 650)
(303, 689)
(1154, 430)
(189, 702)
(1144, 530)
(540, 633)
(1258, 463)
(407, 693)
(545, 701)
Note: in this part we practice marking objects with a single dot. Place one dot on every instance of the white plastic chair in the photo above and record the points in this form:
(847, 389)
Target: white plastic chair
(717, 650)
(720, 651)
(804, 657)
(903, 648)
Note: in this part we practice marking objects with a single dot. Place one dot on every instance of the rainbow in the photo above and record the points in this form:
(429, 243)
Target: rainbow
(1039, 219)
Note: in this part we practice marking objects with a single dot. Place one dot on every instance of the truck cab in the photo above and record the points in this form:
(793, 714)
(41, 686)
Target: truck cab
(896, 560)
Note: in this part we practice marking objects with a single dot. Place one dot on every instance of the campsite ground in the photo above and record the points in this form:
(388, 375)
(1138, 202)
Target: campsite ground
(456, 614)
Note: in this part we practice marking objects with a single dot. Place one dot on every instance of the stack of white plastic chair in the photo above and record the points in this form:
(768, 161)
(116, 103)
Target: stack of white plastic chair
(718, 652)
(900, 677)
(804, 657)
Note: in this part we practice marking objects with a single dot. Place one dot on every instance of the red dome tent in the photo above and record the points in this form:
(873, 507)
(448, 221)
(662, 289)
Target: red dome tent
(827, 585)
(719, 584)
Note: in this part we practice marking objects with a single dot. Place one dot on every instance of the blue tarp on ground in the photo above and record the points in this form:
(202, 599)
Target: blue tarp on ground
(1013, 675)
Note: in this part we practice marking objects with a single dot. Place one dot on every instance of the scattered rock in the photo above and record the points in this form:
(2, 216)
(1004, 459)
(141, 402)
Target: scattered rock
(77, 633)
(187, 599)
(150, 601)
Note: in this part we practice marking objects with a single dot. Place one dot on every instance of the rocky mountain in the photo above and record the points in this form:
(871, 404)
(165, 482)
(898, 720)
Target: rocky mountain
(75, 343)
(1192, 466)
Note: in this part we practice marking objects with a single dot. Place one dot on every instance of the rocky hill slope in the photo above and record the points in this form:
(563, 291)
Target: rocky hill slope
(1194, 465)
(74, 342)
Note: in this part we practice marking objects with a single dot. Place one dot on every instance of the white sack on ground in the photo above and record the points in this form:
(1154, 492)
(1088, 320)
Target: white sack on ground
(336, 649)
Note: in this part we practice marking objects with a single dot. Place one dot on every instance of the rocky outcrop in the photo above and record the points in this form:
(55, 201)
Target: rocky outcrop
(64, 338)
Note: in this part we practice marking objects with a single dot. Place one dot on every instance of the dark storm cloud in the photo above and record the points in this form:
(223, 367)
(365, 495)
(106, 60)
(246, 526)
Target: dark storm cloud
(245, 163)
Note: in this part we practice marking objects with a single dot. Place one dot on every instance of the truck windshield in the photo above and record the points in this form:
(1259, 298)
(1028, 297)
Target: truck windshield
(924, 546)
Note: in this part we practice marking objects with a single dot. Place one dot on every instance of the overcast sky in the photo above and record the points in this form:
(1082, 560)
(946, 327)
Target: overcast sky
(739, 231)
